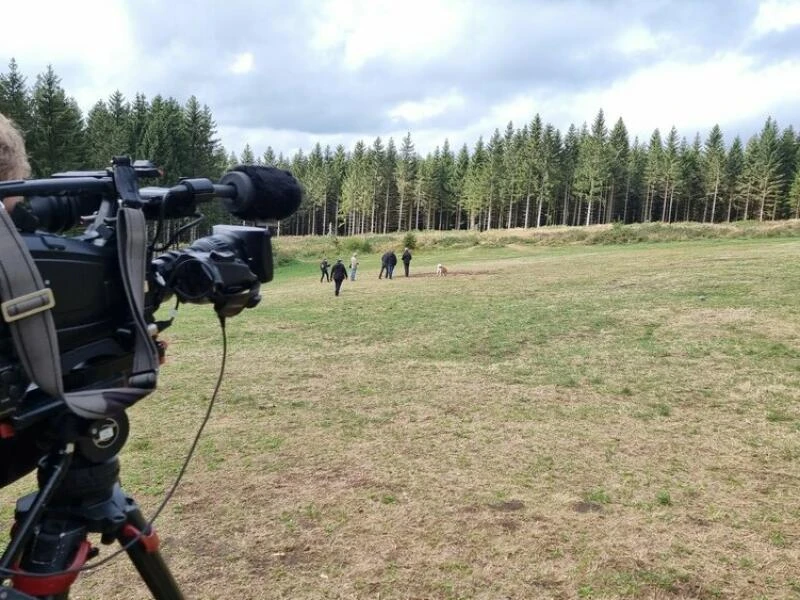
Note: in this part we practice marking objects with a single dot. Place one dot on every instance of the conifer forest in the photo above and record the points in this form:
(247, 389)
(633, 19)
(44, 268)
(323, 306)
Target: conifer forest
(522, 175)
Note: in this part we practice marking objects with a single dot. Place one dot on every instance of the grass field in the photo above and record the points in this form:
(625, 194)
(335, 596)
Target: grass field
(606, 421)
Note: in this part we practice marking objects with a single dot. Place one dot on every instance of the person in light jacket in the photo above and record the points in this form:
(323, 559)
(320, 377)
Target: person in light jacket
(353, 266)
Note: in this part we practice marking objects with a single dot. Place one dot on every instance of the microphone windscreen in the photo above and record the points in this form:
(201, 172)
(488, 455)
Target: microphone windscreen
(275, 194)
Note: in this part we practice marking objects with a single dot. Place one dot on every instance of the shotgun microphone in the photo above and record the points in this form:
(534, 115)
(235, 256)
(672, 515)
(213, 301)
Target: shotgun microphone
(262, 193)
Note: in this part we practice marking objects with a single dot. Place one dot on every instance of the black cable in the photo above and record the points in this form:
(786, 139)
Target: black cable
(170, 493)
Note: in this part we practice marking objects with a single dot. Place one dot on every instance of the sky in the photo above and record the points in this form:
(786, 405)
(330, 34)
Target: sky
(290, 74)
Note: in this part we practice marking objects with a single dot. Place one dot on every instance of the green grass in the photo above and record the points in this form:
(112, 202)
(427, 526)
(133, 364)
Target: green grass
(552, 420)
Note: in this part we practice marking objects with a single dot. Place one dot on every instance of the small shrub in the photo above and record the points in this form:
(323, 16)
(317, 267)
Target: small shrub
(663, 498)
(410, 240)
(357, 244)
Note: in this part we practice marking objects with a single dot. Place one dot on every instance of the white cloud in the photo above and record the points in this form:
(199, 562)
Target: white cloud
(365, 29)
(243, 63)
(638, 39)
(776, 15)
(413, 112)
(727, 88)
(96, 36)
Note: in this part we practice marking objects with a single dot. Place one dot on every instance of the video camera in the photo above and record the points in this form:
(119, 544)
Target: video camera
(79, 345)
(102, 326)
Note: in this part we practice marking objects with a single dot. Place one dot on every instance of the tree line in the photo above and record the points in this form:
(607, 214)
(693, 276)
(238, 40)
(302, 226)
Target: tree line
(527, 176)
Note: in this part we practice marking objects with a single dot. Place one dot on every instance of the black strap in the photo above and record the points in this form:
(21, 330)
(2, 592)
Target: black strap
(26, 308)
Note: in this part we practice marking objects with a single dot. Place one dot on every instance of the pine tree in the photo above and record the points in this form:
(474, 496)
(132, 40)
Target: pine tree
(748, 182)
(569, 165)
(654, 172)
(390, 184)
(376, 156)
(495, 173)
(519, 175)
(509, 184)
(789, 146)
(269, 159)
(99, 136)
(619, 149)
(406, 177)
(635, 186)
(56, 136)
(316, 184)
(734, 171)
(532, 151)
(671, 173)
(794, 194)
(461, 172)
(201, 141)
(15, 98)
(299, 169)
(547, 168)
(425, 190)
(690, 180)
(714, 169)
(477, 184)
(356, 189)
(139, 117)
(338, 170)
(593, 164)
(446, 185)
(247, 157)
(165, 139)
(120, 112)
(766, 170)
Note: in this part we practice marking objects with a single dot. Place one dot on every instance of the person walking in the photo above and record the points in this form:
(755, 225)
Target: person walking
(338, 274)
(323, 267)
(384, 265)
(353, 266)
(391, 263)
(406, 258)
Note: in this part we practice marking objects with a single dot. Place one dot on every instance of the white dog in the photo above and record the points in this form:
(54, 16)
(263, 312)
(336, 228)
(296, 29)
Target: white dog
(441, 270)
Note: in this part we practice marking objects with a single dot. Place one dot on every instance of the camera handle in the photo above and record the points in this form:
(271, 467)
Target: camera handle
(50, 534)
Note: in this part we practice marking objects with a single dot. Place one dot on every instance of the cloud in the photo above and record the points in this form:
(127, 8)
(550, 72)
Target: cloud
(359, 31)
(776, 16)
(242, 63)
(91, 49)
(640, 40)
(729, 88)
(336, 71)
(416, 111)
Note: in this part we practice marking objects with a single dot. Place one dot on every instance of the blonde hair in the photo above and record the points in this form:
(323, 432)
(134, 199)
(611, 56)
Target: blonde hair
(13, 158)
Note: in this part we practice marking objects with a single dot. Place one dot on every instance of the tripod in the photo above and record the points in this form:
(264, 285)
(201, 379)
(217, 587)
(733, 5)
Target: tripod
(79, 493)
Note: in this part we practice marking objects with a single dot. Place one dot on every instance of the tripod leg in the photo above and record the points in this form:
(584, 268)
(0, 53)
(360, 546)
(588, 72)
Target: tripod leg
(145, 556)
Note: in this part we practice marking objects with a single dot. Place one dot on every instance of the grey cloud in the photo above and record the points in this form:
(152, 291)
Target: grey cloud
(503, 52)
(508, 48)
(776, 46)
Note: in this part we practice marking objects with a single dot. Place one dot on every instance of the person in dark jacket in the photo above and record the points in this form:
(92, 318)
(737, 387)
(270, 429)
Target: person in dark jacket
(384, 263)
(338, 274)
(406, 258)
(323, 267)
(391, 263)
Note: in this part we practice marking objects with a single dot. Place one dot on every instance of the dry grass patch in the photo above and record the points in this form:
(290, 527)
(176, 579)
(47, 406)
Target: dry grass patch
(588, 422)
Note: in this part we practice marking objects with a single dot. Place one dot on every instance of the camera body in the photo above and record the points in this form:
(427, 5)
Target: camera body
(95, 321)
